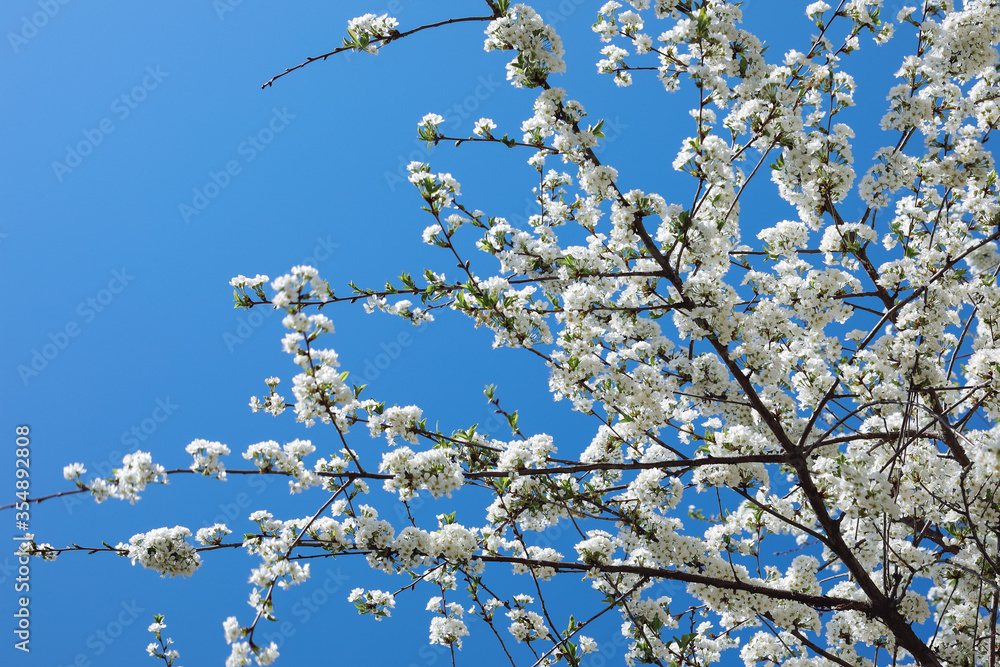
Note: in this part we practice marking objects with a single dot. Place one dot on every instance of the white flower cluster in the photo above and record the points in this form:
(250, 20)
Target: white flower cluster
(396, 422)
(232, 630)
(815, 10)
(274, 546)
(373, 535)
(255, 285)
(329, 533)
(614, 63)
(531, 502)
(483, 128)
(627, 24)
(242, 281)
(137, 471)
(449, 628)
(531, 453)
(526, 626)
(73, 471)
(535, 553)
(840, 240)
(785, 238)
(269, 455)
(375, 602)
(212, 534)
(241, 652)
(539, 47)
(165, 550)
(366, 31)
(427, 128)
(645, 618)
(436, 470)
(321, 387)
(161, 647)
(28, 547)
(404, 307)
(892, 170)
(303, 282)
(513, 314)
(596, 549)
(206, 457)
(438, 190)
(452, 542)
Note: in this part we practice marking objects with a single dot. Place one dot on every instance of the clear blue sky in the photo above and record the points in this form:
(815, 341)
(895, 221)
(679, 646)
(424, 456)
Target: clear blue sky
(115, 119)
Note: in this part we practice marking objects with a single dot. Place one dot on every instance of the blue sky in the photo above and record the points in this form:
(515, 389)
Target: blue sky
(144, 167)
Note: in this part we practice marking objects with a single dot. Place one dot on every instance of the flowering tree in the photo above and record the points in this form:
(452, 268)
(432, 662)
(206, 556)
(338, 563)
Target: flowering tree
(832, 387)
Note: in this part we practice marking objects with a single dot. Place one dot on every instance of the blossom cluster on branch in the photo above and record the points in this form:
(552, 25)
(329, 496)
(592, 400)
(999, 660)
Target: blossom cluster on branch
(829, 382)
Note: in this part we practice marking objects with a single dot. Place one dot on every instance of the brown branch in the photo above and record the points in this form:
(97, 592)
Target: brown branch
(381, 41)
(488, 474)
(815, 601)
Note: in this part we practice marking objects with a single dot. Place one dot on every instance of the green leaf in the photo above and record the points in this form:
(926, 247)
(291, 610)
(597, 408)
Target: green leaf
(512, 420)
(704, 22)
(685, 640)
